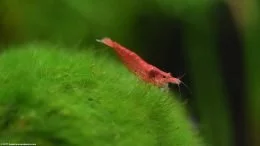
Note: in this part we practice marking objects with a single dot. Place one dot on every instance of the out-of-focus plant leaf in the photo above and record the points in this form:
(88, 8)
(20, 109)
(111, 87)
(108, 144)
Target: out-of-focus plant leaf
(251, 22)
(209, 90)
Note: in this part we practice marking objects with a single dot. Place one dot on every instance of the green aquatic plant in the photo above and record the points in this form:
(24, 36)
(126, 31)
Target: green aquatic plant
(51, 96)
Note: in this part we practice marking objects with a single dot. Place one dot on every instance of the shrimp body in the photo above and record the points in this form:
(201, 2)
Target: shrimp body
(140, 67)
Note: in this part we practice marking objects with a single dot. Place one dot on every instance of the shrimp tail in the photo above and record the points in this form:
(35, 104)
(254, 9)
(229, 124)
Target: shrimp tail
(107, 41)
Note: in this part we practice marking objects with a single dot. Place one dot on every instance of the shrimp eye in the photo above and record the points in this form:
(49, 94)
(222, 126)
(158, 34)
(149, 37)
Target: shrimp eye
(153, 73)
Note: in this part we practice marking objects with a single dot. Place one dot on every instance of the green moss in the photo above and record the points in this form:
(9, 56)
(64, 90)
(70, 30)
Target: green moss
(57, 97)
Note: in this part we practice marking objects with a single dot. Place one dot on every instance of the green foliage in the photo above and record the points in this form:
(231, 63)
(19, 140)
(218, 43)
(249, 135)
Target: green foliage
(251, 33)
(49, 96)
(183, 8)
(211, 95)
(70, 22)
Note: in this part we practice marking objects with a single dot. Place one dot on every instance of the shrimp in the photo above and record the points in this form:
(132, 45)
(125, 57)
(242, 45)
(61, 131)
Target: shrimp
(138, 66)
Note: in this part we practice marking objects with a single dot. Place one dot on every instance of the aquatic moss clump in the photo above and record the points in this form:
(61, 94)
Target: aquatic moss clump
(53, 97)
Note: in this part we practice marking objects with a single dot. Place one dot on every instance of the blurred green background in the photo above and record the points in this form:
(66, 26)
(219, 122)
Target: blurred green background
(216, 43)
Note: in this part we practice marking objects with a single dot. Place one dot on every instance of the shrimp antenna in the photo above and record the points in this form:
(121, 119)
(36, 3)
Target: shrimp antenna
(184, 83)
(182, 76)
(186, 87)
(99, 40)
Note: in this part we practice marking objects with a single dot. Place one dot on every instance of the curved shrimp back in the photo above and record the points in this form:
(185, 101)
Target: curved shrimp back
(139, 66)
